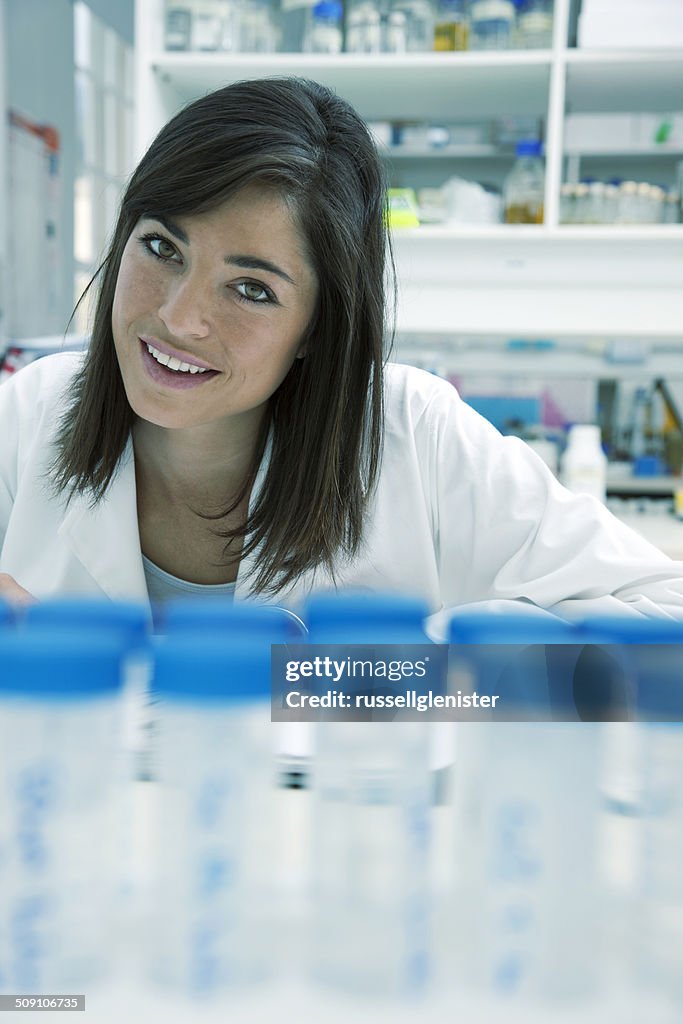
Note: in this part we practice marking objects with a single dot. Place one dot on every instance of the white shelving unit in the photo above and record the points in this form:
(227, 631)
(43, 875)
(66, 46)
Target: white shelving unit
(535, 281)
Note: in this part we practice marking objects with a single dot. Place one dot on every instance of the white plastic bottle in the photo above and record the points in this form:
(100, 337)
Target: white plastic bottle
(491, 24)
(419, 15)
(584, 464)
(324, 28)
(658, 924)
(130, 622)
(207, 25)
(363, 27)
(535, 24)
(518, 940)
(370, 935)
(60, 834)
(213, 920)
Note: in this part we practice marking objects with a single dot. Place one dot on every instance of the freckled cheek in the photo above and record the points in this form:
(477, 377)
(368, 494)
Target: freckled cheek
(136, 293)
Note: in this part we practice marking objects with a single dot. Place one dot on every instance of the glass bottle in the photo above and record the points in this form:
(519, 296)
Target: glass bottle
(451, 28)
(258, 32)
(491, 24)
(419, 15)
(363, 28)
(524, 187)
(568, 203)
(177, 26)
(535, 24)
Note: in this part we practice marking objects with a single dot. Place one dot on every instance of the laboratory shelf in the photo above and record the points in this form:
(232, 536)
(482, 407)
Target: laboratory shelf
(621, 81)
(551, 279)
(383, 86)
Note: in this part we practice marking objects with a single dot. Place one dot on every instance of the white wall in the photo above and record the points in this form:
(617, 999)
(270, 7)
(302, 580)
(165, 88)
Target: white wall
(40, 85)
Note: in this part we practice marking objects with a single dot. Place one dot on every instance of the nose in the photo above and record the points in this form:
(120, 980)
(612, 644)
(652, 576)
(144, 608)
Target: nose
(185, 309)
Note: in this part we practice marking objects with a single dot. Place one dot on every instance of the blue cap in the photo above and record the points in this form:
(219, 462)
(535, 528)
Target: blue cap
(483, 628)
(366, 618)
(211, 669)
(613, 629)
(222, 616)
(126, 619)
(529, 147)
(499, 651)
(62, 664)
(329, 9)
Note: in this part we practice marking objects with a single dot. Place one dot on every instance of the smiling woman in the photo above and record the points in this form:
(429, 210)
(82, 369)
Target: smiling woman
(233, 424)
(231, 313)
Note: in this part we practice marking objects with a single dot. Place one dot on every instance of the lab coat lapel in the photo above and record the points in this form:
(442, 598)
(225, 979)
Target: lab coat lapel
(105, 538)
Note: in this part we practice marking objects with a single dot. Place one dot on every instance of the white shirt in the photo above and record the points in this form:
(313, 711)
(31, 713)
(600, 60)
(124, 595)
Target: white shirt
(460, 515)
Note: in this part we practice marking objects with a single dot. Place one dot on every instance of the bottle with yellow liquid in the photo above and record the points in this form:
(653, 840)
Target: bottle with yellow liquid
(451, 28)
(524, 186)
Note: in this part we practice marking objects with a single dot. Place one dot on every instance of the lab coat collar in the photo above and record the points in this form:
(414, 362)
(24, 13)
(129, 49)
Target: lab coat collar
(115, 561)
(105, 537)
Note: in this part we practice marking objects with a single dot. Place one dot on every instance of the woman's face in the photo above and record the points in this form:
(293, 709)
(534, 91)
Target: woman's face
(210, 310)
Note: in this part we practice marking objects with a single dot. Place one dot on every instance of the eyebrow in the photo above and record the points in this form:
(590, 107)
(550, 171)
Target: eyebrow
(245, 261)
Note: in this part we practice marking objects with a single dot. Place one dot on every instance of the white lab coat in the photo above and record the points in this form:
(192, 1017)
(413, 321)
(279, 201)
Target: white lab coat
(460, 515)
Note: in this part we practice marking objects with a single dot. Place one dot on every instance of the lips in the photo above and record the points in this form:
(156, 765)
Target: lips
(167, 355)
(186, 375)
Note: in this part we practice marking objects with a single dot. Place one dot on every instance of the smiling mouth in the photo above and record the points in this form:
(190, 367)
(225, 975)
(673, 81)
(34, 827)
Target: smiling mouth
(172, 363)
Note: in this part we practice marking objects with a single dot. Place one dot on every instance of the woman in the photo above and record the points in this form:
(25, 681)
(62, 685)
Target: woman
(233, 426)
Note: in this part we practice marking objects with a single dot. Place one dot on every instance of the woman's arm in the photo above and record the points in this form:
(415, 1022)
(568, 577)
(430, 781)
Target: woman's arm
(507, 530)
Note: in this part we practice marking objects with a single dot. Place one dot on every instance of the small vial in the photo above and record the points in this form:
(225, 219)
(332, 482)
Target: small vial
(581, 203)
(567, 203)
(611, 203)
(596, 203)
(671, 212)
(629, 206)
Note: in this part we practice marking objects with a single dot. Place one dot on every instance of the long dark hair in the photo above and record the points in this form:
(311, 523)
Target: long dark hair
(300, 139)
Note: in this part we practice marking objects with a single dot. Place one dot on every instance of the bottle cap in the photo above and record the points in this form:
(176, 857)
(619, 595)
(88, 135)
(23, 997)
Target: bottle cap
(632, 629)
(60, 664)
(584, 433)
(125, 619)
(507, 656)
(211, 669)
(366, 618)
(529, 147)
(331, 9)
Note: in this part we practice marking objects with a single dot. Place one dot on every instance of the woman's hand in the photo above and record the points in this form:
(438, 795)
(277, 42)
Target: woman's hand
(12, 592)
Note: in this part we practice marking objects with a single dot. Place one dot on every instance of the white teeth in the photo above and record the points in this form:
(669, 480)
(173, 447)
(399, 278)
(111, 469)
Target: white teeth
(173, 363)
